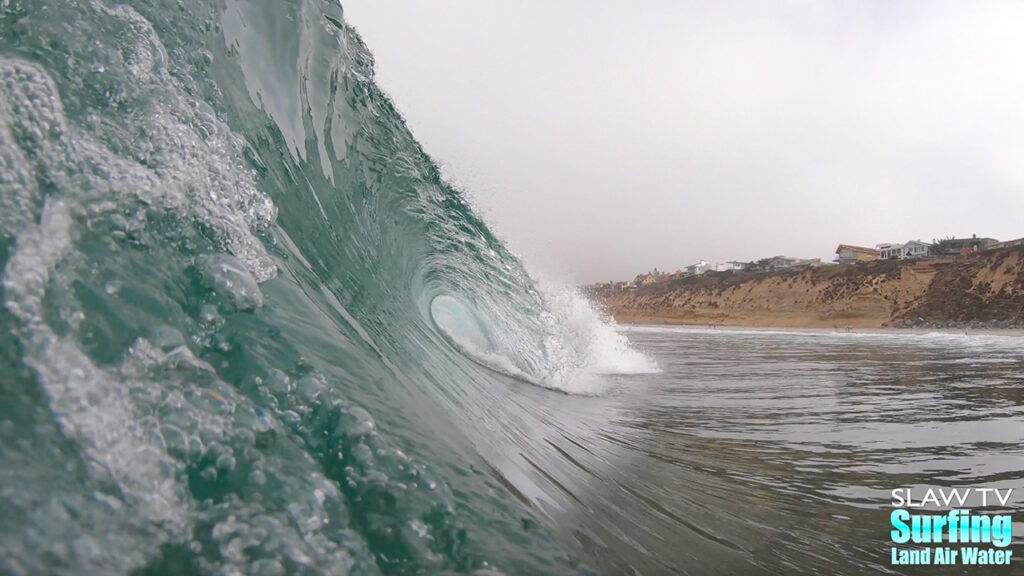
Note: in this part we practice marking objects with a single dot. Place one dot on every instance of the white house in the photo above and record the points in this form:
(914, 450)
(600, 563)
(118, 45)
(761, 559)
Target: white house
(912, 249)
(731, 265)
(916, 249)
(697, 269)
(890, 251)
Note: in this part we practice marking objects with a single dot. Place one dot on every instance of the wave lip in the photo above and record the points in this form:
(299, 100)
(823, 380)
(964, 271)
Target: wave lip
(577, 350)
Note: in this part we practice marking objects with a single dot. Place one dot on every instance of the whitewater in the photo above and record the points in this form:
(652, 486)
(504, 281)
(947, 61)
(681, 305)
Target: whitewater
(247, 328)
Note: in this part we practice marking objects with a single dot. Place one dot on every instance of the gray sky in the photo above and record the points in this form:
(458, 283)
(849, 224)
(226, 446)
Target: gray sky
(602, 139)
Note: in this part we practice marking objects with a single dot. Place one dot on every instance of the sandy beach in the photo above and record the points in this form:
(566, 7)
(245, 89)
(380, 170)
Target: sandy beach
(812, 328)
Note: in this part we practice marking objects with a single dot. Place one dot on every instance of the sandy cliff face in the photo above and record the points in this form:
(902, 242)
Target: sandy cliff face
(987, 290)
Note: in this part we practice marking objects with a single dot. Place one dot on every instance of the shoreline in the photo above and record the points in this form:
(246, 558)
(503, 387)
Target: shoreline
(792, 320)
(679, 323)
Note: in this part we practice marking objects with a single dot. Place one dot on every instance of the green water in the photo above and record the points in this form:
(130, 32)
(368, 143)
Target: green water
(220, 245)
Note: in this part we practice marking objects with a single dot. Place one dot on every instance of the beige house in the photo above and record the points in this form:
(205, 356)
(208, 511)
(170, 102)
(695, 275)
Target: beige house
(848, 254)
(645, 279)
(1007, 244)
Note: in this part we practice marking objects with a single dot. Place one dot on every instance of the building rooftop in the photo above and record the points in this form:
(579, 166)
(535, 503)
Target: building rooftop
(856, 248)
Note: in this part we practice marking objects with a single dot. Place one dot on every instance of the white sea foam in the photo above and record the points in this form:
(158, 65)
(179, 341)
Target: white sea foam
(585, 345)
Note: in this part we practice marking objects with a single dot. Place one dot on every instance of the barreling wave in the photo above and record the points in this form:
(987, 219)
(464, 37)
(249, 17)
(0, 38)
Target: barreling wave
(247, 328)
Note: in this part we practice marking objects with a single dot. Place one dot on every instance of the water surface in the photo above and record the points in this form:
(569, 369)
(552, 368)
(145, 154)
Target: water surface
(775, 452)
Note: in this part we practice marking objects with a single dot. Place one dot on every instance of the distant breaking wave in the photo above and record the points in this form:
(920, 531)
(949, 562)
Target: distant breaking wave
(247, 328)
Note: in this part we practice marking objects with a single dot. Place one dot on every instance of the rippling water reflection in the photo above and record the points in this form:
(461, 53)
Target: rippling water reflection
(775, 452)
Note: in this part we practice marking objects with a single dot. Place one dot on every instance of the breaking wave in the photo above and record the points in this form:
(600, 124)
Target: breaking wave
(246, 327)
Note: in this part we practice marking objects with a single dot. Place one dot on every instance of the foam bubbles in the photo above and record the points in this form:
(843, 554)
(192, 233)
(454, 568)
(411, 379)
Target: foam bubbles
(358, 424)
(228, 277)
(167, 338)
(152, 153)
(171, 154)
(93, 406)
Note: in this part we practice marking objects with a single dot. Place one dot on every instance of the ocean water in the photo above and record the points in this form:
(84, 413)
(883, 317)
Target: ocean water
(248, 329)
(775, 452)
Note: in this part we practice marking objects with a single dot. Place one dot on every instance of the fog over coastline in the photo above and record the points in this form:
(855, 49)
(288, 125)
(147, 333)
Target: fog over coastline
(605, 139)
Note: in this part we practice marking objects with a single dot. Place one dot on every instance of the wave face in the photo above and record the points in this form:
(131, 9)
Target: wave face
(247, 328)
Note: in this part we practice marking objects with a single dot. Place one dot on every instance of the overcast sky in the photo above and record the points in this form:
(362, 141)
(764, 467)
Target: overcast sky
(602, 139)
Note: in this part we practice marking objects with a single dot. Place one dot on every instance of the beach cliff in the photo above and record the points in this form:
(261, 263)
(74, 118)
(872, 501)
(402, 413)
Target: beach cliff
(982, 291)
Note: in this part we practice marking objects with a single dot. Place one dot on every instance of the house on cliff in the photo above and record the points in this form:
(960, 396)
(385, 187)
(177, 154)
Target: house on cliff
(916, 249)
(731, 265)
(779, 263)
(646, 279)
(1007, 244)
(848, 254)
(962, 246)
(888, 251)
(909, 250)
(805, 262)
(696, 269)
